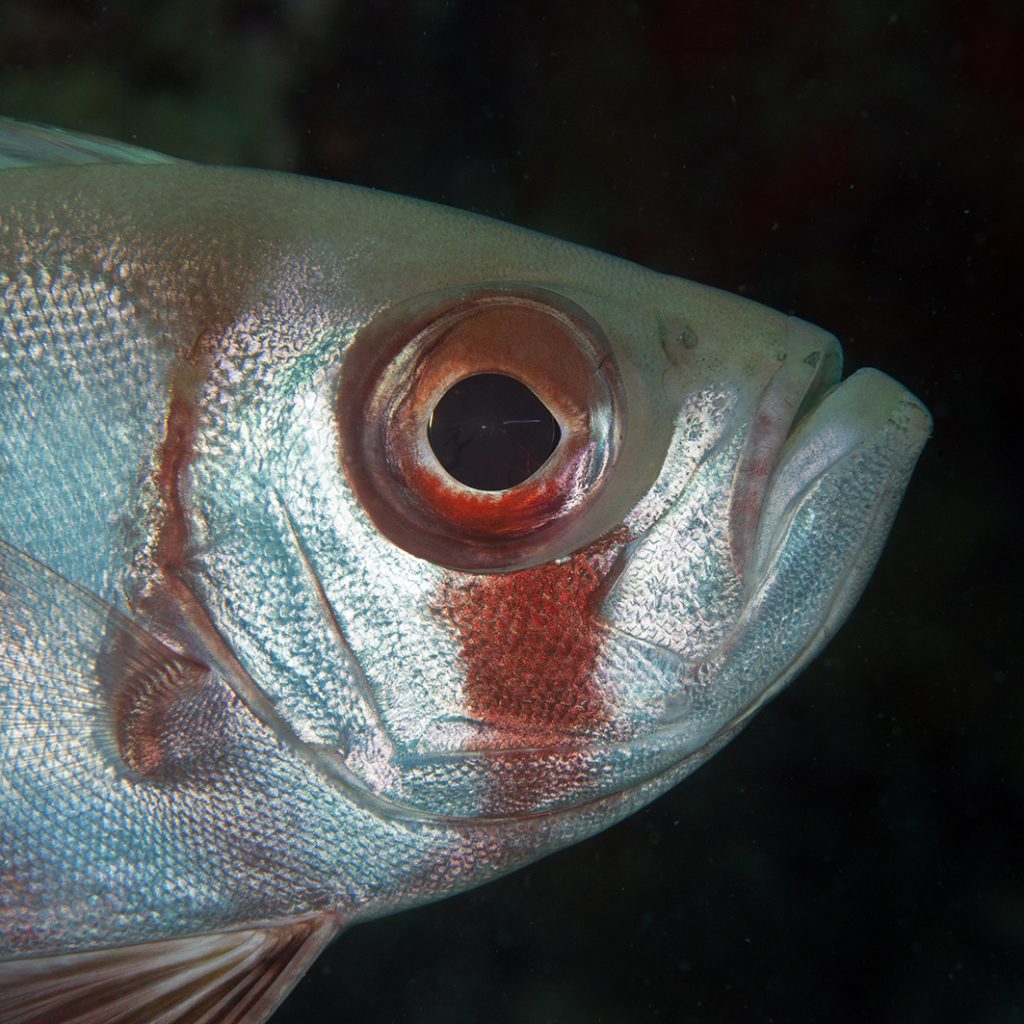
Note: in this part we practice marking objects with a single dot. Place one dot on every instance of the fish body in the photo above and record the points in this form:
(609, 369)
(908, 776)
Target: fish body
(268, 666)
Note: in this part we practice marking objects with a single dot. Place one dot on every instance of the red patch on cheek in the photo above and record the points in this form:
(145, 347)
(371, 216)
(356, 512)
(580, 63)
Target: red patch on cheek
(530, 641)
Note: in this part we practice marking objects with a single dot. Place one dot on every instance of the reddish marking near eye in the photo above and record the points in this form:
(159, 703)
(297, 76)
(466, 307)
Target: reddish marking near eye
(530, 641)
(494, 513)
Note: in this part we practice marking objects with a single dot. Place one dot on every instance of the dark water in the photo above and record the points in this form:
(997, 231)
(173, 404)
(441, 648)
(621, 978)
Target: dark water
(853, 855)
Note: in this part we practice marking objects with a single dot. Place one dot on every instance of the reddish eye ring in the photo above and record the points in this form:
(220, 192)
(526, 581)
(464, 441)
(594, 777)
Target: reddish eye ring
(401, 366)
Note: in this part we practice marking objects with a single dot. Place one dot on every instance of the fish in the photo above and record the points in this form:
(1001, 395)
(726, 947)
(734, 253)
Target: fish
(355, 551)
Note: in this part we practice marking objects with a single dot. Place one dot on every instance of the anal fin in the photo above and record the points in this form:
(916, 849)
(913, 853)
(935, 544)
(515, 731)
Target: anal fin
(235, 977)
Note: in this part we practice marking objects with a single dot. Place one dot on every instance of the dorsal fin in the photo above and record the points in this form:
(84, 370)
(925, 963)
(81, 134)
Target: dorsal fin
(23, 144)
(225, 978)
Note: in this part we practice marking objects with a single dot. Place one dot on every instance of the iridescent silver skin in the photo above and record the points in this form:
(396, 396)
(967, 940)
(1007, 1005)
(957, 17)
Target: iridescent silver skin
(228, 699)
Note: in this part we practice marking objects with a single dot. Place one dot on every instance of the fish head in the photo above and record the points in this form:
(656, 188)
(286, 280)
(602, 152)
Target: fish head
(465, 623)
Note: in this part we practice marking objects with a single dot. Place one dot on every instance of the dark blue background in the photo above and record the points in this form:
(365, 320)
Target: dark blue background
(854, 856)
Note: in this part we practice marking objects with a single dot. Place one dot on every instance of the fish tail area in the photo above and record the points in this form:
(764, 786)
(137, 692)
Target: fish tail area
(236, 977)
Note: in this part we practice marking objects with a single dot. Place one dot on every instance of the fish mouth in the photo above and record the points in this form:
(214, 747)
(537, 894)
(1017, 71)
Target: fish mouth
(810, 366)
(840, 421)
(820, 471)
(837, 481)
(806, 423)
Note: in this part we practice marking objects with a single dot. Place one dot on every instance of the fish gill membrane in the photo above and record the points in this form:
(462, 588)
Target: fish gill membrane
(266, 667)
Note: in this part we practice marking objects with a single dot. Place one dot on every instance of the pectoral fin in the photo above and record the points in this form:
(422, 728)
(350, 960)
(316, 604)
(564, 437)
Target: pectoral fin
(234, 977)
(80, 681)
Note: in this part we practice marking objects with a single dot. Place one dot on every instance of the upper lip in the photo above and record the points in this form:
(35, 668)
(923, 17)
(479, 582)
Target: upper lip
(810, 368)
(840, 421)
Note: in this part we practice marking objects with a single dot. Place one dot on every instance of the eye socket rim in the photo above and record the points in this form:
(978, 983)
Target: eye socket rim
(405, 361)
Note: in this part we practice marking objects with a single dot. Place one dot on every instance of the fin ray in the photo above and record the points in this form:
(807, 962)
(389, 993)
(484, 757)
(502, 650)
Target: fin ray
(234, 977)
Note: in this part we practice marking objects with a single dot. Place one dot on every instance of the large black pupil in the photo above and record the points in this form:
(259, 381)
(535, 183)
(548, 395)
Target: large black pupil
(491, 432)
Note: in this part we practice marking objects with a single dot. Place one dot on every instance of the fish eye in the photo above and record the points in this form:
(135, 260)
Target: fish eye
(477, 429)
(491, 432)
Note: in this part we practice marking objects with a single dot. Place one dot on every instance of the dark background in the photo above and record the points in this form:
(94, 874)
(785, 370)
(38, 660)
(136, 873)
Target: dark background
(855, 855)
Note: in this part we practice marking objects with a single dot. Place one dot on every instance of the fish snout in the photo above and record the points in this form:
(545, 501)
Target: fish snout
(809, 364)
(844, 469)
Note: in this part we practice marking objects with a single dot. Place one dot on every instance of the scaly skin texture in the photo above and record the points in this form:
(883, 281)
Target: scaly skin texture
(227, 697)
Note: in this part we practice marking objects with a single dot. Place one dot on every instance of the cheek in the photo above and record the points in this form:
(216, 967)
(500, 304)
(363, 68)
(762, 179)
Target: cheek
(530, 642)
